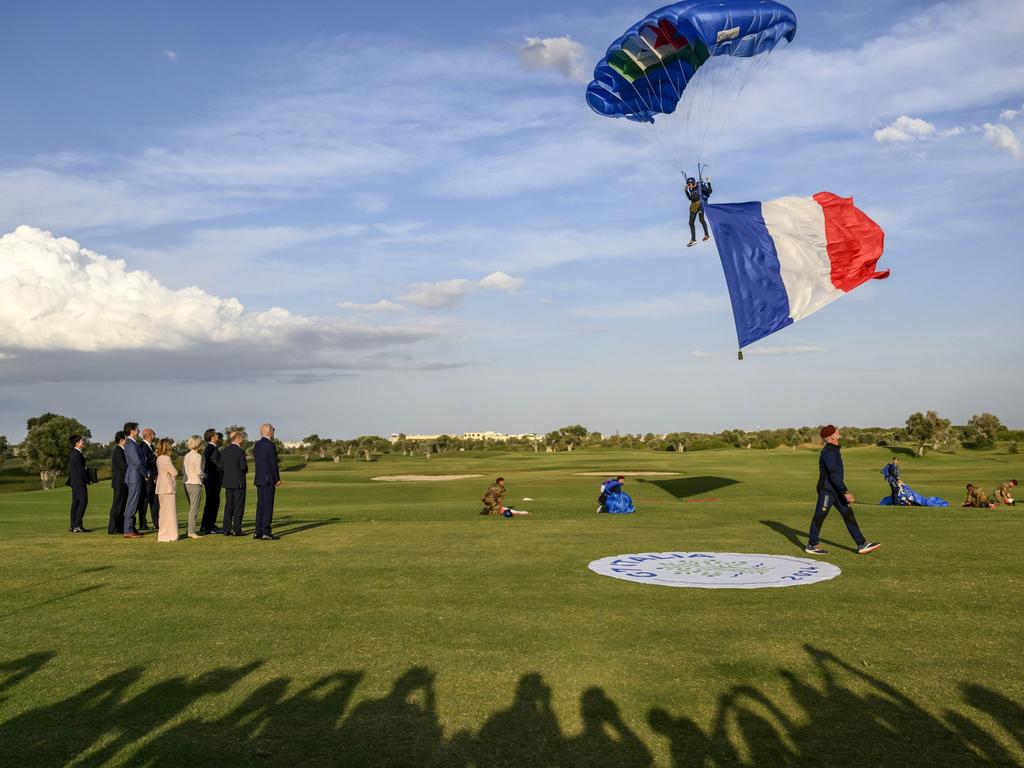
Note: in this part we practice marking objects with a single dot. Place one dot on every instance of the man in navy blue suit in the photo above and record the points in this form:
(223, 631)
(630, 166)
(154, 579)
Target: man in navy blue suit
(135, 477)
(147, 498)
(78, 479)
(266, 479)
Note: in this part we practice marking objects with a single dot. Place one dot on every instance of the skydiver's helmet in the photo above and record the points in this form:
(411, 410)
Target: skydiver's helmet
(506, 512)
(691, 180)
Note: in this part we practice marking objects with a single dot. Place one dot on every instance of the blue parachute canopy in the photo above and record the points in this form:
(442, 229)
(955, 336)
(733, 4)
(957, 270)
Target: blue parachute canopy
(645, 72)
(619, 503)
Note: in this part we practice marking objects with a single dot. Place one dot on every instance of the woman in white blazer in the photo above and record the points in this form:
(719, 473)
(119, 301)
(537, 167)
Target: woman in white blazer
(194, 476)
(166, 485)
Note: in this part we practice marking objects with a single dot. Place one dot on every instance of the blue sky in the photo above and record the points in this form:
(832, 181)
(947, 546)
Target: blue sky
(430, 231)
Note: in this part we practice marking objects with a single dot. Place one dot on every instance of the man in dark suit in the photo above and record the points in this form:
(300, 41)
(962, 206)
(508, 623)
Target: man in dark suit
(78, 479)
(214, 470)
(266, 479)
(135, 477)
(148, 496)
(118, 470)
(235, 468)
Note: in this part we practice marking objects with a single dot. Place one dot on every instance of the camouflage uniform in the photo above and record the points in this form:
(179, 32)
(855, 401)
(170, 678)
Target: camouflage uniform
(493, 498)
(1004, 492)
(976, 497)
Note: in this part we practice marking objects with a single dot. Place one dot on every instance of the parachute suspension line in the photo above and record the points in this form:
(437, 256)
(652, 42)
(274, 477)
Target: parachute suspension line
(675, 152)
(657, 135)
(650, 136)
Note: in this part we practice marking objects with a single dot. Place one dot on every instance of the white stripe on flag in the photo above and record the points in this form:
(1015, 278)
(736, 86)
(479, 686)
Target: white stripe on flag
(797, 225)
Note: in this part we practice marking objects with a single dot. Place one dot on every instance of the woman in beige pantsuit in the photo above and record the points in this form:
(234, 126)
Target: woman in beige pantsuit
(193, 466)
(166, 485)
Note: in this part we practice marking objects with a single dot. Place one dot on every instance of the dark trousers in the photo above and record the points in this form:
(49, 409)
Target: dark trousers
(117, 507)
(264, 509)
(135, 491)
(894, 494)
(211, 507)
(693, 218)
(147, 498)
(234, 508)
(826, 500)
(79, 501)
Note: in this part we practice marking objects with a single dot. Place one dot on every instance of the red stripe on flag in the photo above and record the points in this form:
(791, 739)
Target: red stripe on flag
(855, 242)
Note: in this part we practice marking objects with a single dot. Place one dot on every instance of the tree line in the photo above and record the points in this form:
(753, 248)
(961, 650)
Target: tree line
(46, 447)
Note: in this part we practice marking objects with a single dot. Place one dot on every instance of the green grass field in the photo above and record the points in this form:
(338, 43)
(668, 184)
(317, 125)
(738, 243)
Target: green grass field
(392, 625)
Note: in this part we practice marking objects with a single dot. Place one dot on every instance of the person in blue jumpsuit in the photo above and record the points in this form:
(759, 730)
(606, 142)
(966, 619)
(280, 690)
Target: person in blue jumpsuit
(892, 476)
(697, 194)
(832, 491)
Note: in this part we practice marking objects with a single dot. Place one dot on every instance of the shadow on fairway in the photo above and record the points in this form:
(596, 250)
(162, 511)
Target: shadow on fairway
(831, 713)
(684, 487)
(900, 451)
(51, 600)
(301, 525)
(799, 538)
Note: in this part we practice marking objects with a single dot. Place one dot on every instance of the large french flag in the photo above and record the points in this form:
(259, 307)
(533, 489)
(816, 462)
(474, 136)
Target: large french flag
(786, 258)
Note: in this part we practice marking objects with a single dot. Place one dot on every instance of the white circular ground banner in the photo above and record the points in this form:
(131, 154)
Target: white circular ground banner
(715, 570)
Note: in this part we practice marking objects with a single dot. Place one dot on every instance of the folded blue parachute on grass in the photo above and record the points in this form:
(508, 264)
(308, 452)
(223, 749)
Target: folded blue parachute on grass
(908, 497)
(619, 504)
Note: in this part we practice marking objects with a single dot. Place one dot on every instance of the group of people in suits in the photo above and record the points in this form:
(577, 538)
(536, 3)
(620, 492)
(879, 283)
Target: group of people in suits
(143, 476)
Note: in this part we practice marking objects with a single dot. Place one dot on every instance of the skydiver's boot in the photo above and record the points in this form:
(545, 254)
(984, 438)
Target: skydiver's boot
(707, 237)
(691, 244)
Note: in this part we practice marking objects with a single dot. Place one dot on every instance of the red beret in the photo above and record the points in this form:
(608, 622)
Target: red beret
(827, 431)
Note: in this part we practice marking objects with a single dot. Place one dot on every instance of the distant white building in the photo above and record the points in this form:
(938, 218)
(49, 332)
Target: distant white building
(395, 437)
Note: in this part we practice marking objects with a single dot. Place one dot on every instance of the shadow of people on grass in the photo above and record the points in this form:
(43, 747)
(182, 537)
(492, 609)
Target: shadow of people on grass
(300, 526)
(836, 713)
(685, 487)
(798, 538)
(527, 733)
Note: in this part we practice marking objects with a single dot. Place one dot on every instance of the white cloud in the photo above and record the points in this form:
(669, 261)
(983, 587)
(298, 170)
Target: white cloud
(171, 55)
(802, 350)
(905, 129)
(1001, 137)
(1011, 114)
(499, 281)
(59, 296)
(446, 294)
(560, 54)
(379, 306)
(700, 353)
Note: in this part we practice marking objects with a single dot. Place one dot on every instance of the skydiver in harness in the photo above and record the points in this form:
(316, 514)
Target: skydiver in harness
(697, 194)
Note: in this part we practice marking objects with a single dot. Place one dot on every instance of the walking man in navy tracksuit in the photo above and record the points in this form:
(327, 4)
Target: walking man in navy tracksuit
(832, 491)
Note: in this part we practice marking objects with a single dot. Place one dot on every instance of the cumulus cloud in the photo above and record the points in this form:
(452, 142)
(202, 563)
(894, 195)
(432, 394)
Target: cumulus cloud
(560, 54)
(1011, 114)
(446, 294)
(1001, 137)
(61, 297)
(904, 129)
(171, 55)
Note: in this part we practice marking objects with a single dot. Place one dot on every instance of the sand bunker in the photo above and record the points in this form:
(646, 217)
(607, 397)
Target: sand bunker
(420, 478)
(627, 474)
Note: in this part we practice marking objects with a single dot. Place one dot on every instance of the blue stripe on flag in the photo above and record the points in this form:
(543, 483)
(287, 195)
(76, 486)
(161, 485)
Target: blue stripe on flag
(760, 304)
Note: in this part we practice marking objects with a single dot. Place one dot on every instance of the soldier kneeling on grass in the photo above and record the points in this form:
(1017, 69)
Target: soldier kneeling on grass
(977, 497)
(1004, 493)
(493, 498)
